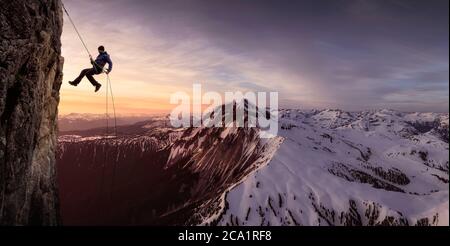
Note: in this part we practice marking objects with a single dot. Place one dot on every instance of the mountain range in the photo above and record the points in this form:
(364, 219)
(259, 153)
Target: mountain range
(325, 167)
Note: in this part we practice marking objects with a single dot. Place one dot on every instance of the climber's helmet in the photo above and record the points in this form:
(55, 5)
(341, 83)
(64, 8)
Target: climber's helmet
(101, 49)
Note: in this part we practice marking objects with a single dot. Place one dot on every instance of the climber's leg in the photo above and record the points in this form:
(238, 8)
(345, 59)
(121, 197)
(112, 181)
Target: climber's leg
(80, 77)
(88, 72)
(90, 77)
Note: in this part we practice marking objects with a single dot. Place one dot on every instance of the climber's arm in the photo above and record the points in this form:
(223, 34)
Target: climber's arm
(110, 64)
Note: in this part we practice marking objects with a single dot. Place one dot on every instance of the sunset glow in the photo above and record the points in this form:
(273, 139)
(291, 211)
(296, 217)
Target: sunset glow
(360, 61)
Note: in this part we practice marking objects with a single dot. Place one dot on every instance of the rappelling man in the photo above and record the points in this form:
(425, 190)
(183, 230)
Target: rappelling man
(97, 68)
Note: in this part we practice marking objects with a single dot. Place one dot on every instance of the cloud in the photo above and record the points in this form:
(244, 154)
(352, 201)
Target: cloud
(347, 54)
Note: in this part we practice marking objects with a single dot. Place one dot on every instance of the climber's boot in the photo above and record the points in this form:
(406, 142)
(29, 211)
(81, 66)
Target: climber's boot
(97, 87)
(73, 83)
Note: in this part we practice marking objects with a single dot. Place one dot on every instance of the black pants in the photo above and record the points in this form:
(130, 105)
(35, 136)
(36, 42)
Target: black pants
(88, 72)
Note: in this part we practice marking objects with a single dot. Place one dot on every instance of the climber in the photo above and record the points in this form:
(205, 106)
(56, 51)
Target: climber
(97, 68)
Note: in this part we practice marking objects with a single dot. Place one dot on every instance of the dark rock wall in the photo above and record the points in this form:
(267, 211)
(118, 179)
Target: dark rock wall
(30, 78)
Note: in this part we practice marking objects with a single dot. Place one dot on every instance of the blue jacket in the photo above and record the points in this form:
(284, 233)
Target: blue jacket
(102, 59)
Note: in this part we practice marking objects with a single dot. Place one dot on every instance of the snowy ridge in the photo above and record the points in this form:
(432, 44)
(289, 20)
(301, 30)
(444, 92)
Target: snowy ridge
(157, 140)
(223, 157)
(326, 167)
(76, 122)
(170, 176)
(349, 168)
(89, 116)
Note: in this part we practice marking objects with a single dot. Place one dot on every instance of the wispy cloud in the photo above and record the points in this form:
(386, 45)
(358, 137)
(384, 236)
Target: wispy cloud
(315, 53)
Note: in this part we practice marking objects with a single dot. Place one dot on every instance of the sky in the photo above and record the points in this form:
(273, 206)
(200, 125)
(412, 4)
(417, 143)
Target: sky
(347, 54)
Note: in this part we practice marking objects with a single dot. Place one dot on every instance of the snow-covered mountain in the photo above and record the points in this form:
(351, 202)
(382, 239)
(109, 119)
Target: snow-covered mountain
(340, 168)
(327, 167)
(76, 121)
(154, 174)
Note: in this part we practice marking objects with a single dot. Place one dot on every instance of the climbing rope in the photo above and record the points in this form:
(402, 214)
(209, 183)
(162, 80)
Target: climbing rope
(108, 81)
(109, 85)
(106, 110)
(76, 30)
(108, 90)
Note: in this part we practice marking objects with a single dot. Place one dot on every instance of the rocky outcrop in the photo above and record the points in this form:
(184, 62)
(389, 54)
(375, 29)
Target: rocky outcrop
(155, 175)
(30, 78)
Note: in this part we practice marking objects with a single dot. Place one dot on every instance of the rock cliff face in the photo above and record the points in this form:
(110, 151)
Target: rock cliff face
(30, 78)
